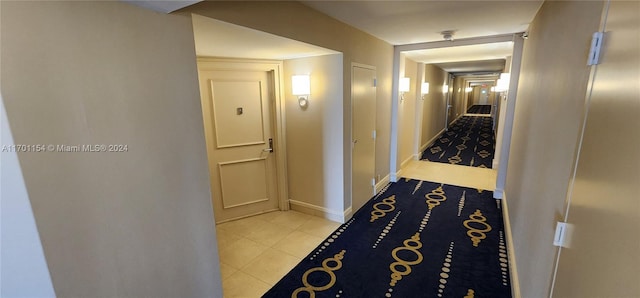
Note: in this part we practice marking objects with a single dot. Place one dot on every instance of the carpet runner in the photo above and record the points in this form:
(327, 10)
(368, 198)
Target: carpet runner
(479, 109)
(470, 141)
(413, 239)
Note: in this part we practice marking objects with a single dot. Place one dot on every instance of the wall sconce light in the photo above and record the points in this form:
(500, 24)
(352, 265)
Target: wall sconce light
(468, 89)
(445, 88)
(301, 87)
(503, 82)
(424, 89)
(404, 87)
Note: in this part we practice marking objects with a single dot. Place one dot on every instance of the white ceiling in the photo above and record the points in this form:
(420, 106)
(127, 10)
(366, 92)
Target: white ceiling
(498, 50)
(215, 38)
(164, 6)
(397, 22)
(407, 22)
(464, 59)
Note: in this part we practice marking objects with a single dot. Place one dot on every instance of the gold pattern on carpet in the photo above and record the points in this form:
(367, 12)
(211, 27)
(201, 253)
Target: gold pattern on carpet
(326, 268)
(386, 230)
(455, 159)
(484, 153)
(417, 187)
(332, 239)
(504, 263)
(379, 213)
(412, 244)
(435, 197)
(461, 203)
(470, 294)
(446, 269)
(477, 234)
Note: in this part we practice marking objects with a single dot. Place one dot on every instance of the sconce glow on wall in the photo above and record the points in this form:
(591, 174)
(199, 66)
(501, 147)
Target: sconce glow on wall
(404, 87)
(301, 87)
(424, 89)
(445, 88)
(503, 82)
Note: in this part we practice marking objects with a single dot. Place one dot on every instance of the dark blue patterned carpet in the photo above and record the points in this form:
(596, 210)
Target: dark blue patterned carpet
(470, 141)
(479, 109)
(414, 239)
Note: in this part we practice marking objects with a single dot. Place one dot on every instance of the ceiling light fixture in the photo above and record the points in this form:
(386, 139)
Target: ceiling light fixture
(448, 34)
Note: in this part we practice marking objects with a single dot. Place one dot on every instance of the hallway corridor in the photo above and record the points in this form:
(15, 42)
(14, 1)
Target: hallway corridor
(257, 252)
(469, 141)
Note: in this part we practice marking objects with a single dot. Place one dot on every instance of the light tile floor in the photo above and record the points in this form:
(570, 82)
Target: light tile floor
(256, 252)
(450, 174)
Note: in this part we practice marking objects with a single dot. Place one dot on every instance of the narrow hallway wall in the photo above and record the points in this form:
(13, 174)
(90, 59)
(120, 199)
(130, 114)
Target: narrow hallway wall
(548, 115)
(433, 119)
(314, 136)
(133, 223)
(407, 115)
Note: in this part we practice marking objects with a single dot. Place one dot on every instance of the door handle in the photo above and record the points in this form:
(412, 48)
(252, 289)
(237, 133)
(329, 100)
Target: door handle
(270, 149)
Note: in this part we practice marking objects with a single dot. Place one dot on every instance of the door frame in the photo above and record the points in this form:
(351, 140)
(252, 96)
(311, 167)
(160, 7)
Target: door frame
(277, 110)
(369, 67)
(394, 167)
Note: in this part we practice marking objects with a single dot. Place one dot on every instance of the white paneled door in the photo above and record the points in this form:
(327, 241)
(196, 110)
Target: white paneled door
(238, 126)
(363, 101)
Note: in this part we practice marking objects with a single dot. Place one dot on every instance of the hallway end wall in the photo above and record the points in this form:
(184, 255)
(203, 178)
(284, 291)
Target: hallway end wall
(314, 137)
(547, 120)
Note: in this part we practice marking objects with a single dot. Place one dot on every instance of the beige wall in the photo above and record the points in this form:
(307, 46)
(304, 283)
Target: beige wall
(547, 118)
(297, 21)
(434, 104)
(314, 138)
(407, 113)
(136, 223)
(603, 260)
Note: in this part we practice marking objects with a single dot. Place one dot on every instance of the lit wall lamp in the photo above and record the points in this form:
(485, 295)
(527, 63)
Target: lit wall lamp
(503, 82)
(424, 89)
(468, 89)
(445, 88)
(404, 87)
(301, 87)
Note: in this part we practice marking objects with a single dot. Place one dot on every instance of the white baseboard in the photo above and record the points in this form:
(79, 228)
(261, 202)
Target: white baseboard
(393, 177)
(513, 269)
(430, 142)
(347, 214)
(382, 183)
(307, 208)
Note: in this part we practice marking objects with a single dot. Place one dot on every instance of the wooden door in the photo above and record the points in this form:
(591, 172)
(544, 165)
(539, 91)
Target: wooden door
(363, 101)
(238, 126)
